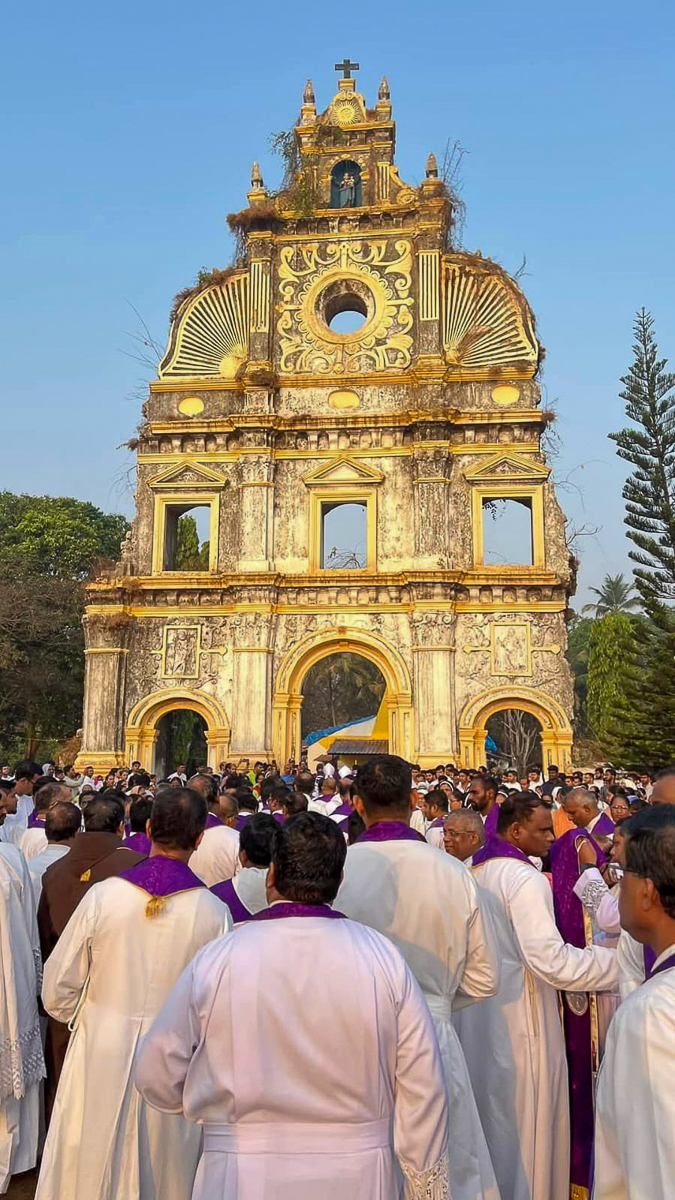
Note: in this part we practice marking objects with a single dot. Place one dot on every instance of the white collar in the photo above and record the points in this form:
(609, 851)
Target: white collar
(662, 957)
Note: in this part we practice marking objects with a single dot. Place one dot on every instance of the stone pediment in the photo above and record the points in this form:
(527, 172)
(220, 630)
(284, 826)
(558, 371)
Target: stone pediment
(343, 472)
(188, 474)
(511, 467)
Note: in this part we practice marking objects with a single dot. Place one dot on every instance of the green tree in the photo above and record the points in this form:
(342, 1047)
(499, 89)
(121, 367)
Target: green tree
(190, 555)
(614, 596)
(611, 655)
(56, 536)
(340, 688)
(649, 445)
(577, 655)
(48, 548)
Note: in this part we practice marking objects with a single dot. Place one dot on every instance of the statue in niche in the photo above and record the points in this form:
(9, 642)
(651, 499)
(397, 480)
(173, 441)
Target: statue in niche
(510, 650)
(346, 191)
(181, 652)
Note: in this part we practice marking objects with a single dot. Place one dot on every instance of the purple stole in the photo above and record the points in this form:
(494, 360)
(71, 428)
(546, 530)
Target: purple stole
(289, 908)
(227, 893)
(140, 842)
(390, 831)
(663, 966)
(278, 816)
(649, 959)
(161, 877)
(580, 1029)
(35, 822)
(212, 821)
(437, 823)
(499, 848)
(604, 827)
(491, 823)
(242, 819)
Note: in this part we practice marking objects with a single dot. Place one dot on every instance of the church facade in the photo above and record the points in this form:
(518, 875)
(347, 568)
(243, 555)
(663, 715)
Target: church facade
(268, 417)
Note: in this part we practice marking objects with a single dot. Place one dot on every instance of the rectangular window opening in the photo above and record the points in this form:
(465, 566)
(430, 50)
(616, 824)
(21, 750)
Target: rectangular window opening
(187, 530)
(507, 531)
(344, 535)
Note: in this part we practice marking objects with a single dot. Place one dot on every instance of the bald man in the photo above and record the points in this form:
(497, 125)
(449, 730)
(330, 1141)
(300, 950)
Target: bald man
(582, 808)
(463, 834)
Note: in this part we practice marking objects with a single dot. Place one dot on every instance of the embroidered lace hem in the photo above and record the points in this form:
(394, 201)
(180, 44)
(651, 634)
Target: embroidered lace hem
(594, 894)
(21, 1063)
(427, 1185)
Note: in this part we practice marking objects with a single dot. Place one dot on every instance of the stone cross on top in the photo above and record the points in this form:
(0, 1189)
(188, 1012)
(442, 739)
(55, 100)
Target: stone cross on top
(347, 67)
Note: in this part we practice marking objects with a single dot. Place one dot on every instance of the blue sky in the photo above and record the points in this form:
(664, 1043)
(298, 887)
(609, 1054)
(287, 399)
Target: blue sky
(130, 132)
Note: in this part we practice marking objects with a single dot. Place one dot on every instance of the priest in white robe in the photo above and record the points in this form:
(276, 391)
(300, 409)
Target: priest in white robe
(514, 1042)
(62, 824)
(217, 856)
(246, 893)
(427, 904)
(21, 1058)
(120, 954)
(635, 1109)
(301, 1043)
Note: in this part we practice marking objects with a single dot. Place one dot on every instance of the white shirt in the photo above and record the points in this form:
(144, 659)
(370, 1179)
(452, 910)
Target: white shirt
(39, 863)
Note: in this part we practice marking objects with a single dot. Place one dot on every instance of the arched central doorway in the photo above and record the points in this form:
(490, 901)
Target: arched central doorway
(513, 740)
(170, 723)
(342, 697)
(181, 739)
(320, 645)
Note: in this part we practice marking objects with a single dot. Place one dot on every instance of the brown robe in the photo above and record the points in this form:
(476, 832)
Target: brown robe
(93, 857)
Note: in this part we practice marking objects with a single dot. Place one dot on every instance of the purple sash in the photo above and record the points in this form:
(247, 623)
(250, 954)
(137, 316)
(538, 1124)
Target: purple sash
(212, 821)
(491, 823)
(649, 959)
(227, 893)
(569, 915)
(390, 831)
(663, 966)
(35, 822)
(289, 908)
(499, 848)
(140, 842)
(162, 876)
(604, 827)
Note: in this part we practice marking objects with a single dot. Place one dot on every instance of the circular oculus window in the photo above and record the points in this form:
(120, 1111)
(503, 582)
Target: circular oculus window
(344, 309)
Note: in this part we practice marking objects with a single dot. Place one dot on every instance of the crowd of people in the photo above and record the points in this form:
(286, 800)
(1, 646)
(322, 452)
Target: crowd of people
(260, 983)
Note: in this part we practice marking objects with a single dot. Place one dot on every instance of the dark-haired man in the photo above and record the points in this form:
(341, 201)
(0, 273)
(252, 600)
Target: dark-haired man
(62, 824)
(139, 815)
(20, 801)
(427, 904)
(34, 838)
(435, 812)
(295, 803)
(126, 945)
(217, 855)
(482, 795)
(634, 1147)
(245, 894)
(308, 1120)
(513, 1041)
(96, 854)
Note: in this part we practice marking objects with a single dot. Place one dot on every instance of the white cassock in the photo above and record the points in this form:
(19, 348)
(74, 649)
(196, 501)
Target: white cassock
(21, 1059)
(217, 855)
(631, 959)
(635, 1104)
(434, 834)
(109, 974)
(33, 841)
(39, 863)
(417, 821)
(514, 1042)
(427, 903)
(15, 824)
(302, 1109)
(250, 886)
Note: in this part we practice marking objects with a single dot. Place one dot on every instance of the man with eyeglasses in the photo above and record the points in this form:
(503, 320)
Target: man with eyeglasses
(463, 834)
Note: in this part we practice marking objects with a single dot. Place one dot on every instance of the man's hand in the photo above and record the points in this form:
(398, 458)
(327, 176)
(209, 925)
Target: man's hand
(587, 854)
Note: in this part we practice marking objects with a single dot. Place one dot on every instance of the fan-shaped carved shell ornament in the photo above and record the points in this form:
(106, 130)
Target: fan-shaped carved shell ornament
(210, 337)
(485, 324)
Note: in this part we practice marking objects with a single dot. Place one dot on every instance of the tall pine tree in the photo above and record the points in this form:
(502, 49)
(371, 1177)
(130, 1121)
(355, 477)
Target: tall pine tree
(649, 445)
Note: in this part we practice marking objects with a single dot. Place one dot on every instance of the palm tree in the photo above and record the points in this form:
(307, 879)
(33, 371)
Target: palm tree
(614, 596)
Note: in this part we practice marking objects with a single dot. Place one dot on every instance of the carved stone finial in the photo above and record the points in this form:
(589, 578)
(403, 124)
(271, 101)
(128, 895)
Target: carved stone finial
(256, 177)
(384, 93)
(432, 167)
(308, 94)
